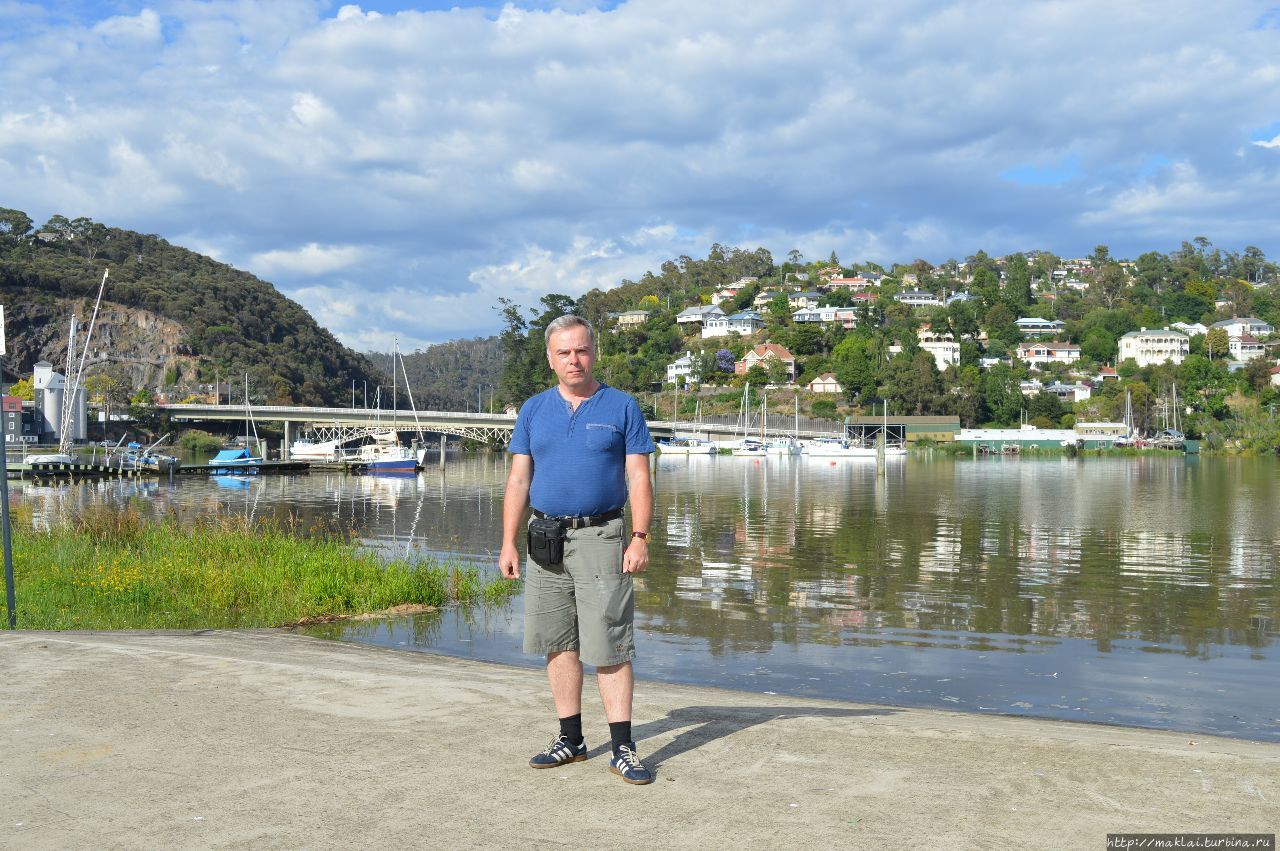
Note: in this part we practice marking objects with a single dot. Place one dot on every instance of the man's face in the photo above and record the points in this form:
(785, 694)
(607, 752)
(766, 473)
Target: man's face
(572, 356)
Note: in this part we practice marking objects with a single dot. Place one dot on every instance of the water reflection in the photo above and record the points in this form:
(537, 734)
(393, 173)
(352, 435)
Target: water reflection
(1130, 590)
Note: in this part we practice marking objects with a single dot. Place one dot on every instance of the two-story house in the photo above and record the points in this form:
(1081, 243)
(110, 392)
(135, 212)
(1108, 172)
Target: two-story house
(1151, 346)
(763, 353)
(1031, 326)
(698, 314)
(745, 322)
(1039, 353)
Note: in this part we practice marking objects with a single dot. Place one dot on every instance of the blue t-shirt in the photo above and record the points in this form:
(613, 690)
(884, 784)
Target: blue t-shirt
(579, 457)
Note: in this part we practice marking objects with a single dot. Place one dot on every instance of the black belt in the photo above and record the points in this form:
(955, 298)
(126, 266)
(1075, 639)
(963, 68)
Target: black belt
(581, 522)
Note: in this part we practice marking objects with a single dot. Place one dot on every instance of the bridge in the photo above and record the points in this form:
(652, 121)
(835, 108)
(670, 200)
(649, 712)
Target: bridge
(485, 428)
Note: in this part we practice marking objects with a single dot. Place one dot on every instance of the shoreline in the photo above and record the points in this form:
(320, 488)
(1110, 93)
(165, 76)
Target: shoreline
(271, 738)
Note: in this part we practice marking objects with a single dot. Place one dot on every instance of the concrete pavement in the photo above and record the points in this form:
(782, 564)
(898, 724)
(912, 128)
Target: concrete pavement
(273, 740)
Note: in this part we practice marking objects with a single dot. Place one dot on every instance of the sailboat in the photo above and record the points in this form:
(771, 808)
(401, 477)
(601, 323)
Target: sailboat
(387, 454)
(679, 444)
(240, 459)
(750, 447)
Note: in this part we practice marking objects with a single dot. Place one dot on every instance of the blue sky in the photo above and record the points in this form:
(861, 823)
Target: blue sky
(396, 167)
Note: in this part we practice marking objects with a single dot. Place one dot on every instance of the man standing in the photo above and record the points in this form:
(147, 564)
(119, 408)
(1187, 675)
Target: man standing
(577, 451)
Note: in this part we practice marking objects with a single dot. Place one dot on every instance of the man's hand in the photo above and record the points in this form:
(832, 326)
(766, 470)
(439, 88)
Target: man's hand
(509, 562)
(636, 557)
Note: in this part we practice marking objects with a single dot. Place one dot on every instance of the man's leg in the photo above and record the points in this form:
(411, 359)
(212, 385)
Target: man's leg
(564, 672)
(616, 682)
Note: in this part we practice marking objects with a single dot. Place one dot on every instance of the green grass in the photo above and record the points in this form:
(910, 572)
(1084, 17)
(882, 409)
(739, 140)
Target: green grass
(112, 569)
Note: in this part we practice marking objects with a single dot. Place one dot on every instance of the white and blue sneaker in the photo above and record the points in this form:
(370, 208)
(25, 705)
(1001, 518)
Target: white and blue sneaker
(559, 753)
(627, 765)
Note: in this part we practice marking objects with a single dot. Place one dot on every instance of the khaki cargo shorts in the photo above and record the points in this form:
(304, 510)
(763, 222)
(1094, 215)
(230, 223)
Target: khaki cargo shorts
(585, 603)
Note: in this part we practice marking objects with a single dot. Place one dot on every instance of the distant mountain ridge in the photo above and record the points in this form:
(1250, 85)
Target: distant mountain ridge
(170, 316)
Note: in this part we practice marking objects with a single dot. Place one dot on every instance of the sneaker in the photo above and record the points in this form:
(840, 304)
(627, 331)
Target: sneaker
(628, 766)
(559, 753)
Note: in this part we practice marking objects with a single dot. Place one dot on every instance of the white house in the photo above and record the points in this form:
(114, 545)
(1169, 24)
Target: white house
(846, 316)
(1191, 329)
(825, 383)
(1151, 346)
(763, 297)
(857, 282)
(1031, 326)
(943, 347)
(698, 314)
(1240, 326)
(683, 366)
(746, 322)
(918, 298)
(1245, 347)
(1070, 392)
(1039, 353)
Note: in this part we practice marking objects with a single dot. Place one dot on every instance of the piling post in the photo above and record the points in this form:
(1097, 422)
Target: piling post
(444, 444)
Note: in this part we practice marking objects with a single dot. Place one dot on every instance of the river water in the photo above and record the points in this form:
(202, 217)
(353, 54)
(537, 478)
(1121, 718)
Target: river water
(1135, 591)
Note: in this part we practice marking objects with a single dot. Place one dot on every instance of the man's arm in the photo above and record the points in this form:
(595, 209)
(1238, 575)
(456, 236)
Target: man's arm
(640, 488)
(515, 501)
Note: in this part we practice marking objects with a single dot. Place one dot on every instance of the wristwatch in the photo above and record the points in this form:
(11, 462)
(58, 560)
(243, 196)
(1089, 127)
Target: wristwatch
(644, 536)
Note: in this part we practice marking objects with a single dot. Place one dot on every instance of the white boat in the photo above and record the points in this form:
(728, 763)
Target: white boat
(835, 447)
(306, 449)
(750, 447)
(783, 445)
(686, 446)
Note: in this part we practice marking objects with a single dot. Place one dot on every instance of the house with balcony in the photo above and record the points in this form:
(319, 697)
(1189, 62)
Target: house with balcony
(1148, 346)
(763, 298)
(943, 347)
(856, 283)
(762, 354)
(1240, 326)
(1246, 347)
(919, 298)
(1031, 326)
(1039, 353)
(631, 318)
(697, 315)
(745, 322)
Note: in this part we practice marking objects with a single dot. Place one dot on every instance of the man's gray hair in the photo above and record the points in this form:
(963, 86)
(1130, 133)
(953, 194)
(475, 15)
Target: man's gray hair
(569, 320)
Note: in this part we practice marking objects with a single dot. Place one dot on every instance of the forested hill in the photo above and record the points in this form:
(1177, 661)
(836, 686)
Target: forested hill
(455, 376)
(180, 318)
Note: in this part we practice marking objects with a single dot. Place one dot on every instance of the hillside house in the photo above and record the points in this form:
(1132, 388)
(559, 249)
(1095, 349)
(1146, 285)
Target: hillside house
(919, 298)
(764, 353)
(746, 322)
(807, 299)
(825, 383)
(1038, 353)
(684, 367)
(1031, 326)
(1246, 348)
(1241, 326)
(697, 315)
(1146, 347)
(631, 318)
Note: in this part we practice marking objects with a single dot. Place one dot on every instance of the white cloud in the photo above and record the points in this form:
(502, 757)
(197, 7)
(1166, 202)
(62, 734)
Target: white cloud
(310, 259)
(438, 159)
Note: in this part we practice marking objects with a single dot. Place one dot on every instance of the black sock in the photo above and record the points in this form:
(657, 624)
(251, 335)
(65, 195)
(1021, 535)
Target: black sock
(571, 728)
(620, 733)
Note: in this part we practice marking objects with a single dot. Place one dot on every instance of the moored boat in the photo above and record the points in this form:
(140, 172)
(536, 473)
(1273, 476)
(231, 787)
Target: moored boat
(686, 446)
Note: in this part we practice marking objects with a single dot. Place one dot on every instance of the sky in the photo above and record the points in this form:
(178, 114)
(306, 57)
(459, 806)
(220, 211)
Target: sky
(398, 166)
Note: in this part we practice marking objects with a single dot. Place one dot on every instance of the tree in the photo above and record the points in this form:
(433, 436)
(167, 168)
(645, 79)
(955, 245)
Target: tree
(14, 225)
(23, 389)
(779, 309)
(857, 366)
(778, 371)
(757, 375)
(1017, 288)
(795, 258)
(1217, 343)
(823, 409)
(1099, 345)
(142, 408)
(724, 360)
(1257, 373)
(1002, 394)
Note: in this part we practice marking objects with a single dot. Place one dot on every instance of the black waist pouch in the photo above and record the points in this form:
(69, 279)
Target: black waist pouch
(546, 541)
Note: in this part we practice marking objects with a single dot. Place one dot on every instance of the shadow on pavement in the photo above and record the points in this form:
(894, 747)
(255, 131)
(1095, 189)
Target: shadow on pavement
(708, 723)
